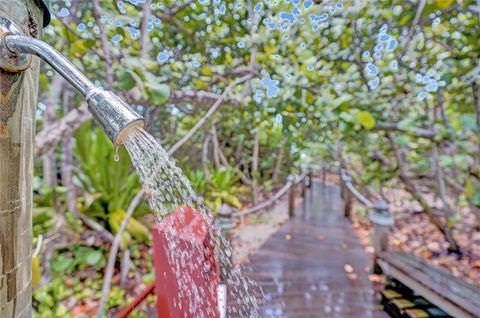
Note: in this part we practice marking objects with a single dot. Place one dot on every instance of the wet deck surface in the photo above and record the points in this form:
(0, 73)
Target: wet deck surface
(302, 268)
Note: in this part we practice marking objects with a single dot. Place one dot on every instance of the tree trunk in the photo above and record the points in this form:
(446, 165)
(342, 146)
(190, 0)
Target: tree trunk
(278, 163)
(18, 98)
(49, 161)
(412, 188)
(476, 99)
(255, 154)
(67, 158)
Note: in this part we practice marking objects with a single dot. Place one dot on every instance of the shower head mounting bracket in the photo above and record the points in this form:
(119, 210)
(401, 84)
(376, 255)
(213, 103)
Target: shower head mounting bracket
(10, 61)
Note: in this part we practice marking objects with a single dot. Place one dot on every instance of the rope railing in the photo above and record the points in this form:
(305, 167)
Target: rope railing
(379, 214)
(291, 181)
(266, 203)
(348, 188)
(348, 183)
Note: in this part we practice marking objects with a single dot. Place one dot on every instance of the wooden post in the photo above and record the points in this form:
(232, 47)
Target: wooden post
(304, 189)
(291, 197)
(347, 197)
(382, 221)
(18, 100)
(225, 223)
(310, 177)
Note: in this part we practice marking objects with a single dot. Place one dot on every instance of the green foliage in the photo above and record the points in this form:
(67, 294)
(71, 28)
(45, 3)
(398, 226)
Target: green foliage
(158, 93)
(47, 300)
(366, 119)
(43, 220)
(134, 228)
(319, 115)
(77, 257)
(113, 183)
(220, 188)
(197, 179)
(109, 185)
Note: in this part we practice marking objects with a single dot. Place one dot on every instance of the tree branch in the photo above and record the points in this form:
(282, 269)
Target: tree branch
(418, 132)
(207, 115)
(105, 44)
(51, 135)
(114, 250)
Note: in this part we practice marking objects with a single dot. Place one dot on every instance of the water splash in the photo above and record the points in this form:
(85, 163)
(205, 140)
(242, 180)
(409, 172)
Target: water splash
(167, 190)
(116, 157)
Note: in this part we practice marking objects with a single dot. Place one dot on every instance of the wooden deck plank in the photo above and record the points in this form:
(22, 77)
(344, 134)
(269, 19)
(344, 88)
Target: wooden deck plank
(301, 267)
(448, 292)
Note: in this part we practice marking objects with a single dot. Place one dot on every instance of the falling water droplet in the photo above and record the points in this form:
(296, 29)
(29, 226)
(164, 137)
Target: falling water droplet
(116, 157)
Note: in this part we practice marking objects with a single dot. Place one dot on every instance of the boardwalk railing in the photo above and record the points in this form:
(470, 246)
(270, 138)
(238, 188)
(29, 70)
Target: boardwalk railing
(379, 213)
(456, 297)
(303, 179)
(227, 222)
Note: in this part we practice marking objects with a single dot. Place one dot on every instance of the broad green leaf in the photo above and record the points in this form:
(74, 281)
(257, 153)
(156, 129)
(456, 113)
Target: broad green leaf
(476, 197)
(126, 80)
(366, 119)
(469, 188)
(443, 4)
(158, 93)
(93, 257)
(36, 273)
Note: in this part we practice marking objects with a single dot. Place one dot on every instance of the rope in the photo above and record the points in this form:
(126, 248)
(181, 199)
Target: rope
(274, 198)
(347, 181)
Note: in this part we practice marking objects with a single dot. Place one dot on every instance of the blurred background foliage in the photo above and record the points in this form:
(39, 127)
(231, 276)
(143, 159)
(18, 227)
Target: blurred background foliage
(386, 89)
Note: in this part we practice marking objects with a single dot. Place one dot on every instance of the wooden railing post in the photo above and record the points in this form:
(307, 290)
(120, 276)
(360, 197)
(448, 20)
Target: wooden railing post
(225, 223)
(303, 187)
(310, 177)
(291, 197)
(382, 221)
(346, 196)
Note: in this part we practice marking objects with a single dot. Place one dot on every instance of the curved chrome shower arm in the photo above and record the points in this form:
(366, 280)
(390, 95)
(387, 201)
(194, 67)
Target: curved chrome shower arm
(117, 118)
(25, 44)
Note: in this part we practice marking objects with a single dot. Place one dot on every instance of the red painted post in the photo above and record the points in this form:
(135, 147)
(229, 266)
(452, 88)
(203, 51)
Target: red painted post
(191, 231)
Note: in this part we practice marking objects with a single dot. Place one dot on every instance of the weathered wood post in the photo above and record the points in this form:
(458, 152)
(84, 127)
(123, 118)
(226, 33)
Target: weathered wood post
(303, 184)
(310, 176)
(291, 197)
(225, 223)
(346, 196)
(18, 100)
(382, 221)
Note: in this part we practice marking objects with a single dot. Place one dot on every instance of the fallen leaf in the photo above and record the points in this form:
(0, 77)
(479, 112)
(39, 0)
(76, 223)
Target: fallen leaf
(375, 278)
(348, 268)
(352, 276)
(321, 237)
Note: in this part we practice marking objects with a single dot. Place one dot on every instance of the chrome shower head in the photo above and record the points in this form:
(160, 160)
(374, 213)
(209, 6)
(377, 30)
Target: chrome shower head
(115, 116)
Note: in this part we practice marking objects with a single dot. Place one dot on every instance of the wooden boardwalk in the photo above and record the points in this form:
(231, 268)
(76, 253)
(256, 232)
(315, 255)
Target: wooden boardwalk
(304, 267)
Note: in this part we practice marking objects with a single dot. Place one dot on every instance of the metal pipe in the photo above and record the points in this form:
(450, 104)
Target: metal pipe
(115, 116)
(25, 44)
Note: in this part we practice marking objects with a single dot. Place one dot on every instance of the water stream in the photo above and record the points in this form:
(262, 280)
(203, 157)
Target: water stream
(167, 189)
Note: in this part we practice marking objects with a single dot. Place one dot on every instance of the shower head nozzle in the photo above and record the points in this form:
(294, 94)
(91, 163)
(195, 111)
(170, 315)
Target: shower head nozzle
(116, 117)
